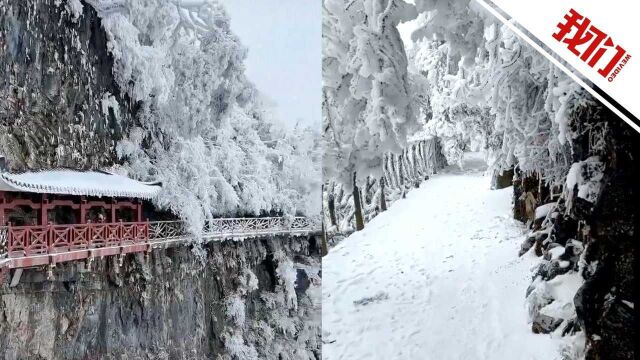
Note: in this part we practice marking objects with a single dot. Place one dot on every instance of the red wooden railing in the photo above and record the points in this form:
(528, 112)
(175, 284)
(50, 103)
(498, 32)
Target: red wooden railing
(51, 239)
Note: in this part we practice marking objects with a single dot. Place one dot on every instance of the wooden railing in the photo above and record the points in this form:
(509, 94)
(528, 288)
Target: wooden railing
(38, 240)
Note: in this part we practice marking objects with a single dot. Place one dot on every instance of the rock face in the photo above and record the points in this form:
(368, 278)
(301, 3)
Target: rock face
(543, 324)
(59, 103)
(604, 304)
(243, 300)
(598, 233)
(503, 179)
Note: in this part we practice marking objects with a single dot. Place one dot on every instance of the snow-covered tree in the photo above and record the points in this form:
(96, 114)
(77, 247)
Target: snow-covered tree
(202, 128)
(488, 89)
(366, 106)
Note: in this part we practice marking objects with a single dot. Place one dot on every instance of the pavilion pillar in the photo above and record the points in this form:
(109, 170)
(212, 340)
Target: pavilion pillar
(3, 202)
(83, 210)
(44, 210)
(139, 210)
(114, 204)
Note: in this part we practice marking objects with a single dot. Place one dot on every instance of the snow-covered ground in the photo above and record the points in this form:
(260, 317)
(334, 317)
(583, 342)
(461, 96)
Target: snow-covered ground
(437, 276)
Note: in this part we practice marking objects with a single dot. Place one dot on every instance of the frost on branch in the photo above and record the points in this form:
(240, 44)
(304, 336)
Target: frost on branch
(366, 105)
(489, 90)
(202, 128)
(273, 320)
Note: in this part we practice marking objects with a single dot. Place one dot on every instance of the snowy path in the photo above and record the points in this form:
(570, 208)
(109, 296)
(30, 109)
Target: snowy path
(437, 276)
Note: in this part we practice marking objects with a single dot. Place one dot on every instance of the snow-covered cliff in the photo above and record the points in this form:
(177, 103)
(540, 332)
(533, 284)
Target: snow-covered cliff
(244, 300)
(157, 89)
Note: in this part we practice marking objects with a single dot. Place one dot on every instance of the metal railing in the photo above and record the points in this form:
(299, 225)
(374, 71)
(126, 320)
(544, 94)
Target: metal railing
(4, 233)
(257, 226)
(232, 227)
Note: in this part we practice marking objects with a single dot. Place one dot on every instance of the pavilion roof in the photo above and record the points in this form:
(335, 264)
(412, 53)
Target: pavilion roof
(77, 182)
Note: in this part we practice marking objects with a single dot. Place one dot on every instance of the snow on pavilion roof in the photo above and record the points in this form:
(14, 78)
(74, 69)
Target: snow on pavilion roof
(77, 182)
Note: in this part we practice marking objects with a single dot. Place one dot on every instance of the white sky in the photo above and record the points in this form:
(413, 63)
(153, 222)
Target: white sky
(284, 60)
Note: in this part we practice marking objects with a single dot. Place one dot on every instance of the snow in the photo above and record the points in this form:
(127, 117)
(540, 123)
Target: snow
(564, 264)
(544, 210)
(109, 102)
(287, 276)
(562, 289)
(74, 7)
(587, 175)
(556, 252)
(93, 183)
(436, 276)
(237, 348)
(235, 309)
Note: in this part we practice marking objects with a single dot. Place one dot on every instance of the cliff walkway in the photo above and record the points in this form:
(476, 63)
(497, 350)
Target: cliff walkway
(28, 246)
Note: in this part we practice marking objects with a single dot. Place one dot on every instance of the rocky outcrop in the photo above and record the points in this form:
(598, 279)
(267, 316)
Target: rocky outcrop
(235, 300)
(502, 179)
(543, 324)
(59, 102)
(591, 232)
(604, 304)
